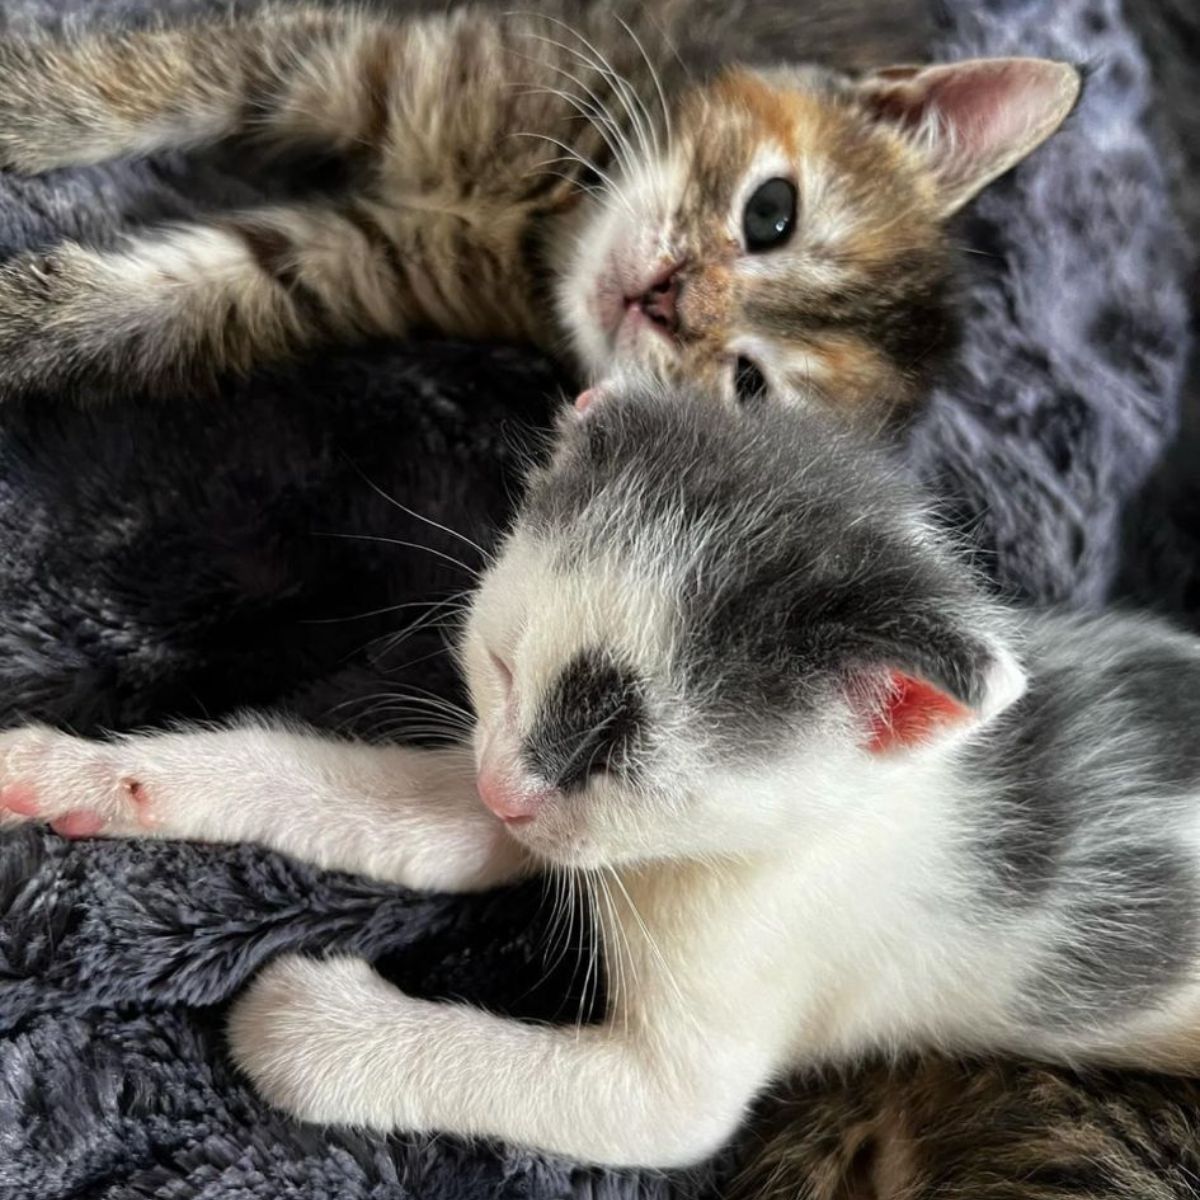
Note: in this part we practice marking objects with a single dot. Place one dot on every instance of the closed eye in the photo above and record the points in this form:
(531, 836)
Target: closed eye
(503, 672)
(749, 383)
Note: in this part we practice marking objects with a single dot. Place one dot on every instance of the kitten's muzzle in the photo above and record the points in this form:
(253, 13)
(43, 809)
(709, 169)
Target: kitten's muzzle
(660, 301)
(513, 802)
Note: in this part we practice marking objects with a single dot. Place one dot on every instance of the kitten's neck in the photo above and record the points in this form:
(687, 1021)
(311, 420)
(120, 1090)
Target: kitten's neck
(811, 920)
(844, 796)
(487, 212)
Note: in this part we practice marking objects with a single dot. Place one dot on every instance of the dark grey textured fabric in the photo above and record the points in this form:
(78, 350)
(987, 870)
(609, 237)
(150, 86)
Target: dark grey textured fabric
(1160, 545)
(159, 562)
(1075, 317)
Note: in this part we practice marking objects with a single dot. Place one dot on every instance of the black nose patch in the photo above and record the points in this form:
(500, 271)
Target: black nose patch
(592, 719)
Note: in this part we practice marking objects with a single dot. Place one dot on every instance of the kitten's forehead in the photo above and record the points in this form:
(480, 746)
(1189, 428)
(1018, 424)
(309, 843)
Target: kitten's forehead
(747, 532)
(686, 464)
(799, 123)
(739, 125)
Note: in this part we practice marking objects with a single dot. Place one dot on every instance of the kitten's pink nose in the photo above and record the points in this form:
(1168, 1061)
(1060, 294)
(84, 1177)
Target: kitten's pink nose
(513, 803)
(659, 301)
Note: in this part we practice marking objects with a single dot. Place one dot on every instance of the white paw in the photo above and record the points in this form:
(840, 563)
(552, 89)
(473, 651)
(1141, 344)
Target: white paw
(74, 785)
(327, 1042)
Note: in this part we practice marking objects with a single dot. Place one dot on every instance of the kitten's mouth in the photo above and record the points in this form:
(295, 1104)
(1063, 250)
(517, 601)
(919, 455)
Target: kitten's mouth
(653, 308)
(625, 309)
(638, 316)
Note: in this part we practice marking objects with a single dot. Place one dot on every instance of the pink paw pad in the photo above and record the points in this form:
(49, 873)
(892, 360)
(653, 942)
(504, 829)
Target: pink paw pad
(79, 823)
(19, 798)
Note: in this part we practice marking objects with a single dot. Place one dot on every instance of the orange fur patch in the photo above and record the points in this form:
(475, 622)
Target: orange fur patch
(774, 112)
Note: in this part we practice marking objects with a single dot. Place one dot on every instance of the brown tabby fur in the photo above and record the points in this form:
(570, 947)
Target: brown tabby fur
(472, 171)
(941, 1130)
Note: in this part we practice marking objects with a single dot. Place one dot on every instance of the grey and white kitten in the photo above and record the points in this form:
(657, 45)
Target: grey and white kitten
(833, 800)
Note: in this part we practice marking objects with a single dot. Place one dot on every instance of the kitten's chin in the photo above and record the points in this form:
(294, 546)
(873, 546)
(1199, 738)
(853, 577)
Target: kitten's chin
(571, 848)
(590, 301)
(576, 855)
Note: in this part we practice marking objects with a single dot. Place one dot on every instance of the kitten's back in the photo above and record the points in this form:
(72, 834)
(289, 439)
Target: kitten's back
(851, 35)
(976, 1131)
(848, 35)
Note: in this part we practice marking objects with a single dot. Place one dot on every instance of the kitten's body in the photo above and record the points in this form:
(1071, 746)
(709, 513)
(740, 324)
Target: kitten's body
(975, 1131)
(771, 721)
(560, 177)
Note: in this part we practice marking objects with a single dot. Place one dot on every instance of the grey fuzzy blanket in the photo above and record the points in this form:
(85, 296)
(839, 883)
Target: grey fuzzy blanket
(160, 562)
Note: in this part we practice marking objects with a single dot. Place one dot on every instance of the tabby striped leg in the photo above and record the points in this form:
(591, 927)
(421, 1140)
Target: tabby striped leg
(303, 76)
(175, 308)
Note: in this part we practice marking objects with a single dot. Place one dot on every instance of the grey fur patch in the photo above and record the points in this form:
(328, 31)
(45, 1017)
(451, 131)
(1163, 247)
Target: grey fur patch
(1032, 804)
(1163, 689)
(1132, 935)
(592, 719)
(796, 552)
(1107, 726)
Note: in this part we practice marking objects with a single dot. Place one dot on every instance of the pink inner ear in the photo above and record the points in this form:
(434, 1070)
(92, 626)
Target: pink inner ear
(912, 711)
(991, 112)
(990, 106)
(970, 96)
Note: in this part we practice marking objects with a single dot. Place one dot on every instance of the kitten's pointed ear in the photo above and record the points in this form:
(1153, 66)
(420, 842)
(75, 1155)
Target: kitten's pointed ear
(919, 699)
(974, 119)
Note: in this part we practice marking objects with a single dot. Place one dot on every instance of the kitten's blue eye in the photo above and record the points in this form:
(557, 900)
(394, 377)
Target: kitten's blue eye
(770, 215)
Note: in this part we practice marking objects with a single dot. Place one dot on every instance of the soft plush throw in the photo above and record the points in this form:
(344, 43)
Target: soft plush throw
(164, 561)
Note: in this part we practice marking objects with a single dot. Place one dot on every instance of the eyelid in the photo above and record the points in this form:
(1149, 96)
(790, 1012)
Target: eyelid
(503, 670)
(749, 379)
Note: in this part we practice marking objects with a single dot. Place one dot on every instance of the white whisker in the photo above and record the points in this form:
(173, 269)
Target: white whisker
(373, 537)
(416, 516)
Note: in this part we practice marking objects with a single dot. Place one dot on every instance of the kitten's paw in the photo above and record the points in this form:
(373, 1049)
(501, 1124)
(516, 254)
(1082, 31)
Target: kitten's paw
(73, 785)
(19, 153)
(36, 126)
(49, 303)
(324, 1039)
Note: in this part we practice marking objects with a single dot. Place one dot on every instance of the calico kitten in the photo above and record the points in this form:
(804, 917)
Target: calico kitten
(774, 723)
(559, 177)
(977, 1131)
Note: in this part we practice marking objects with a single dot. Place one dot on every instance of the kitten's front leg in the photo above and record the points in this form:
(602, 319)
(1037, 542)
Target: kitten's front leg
(292, 77)
(175, 308)
(403, 815)
(333, 1042)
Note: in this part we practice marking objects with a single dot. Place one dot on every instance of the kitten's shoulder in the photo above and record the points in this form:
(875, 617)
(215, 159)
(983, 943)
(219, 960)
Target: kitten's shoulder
(1099, 687)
